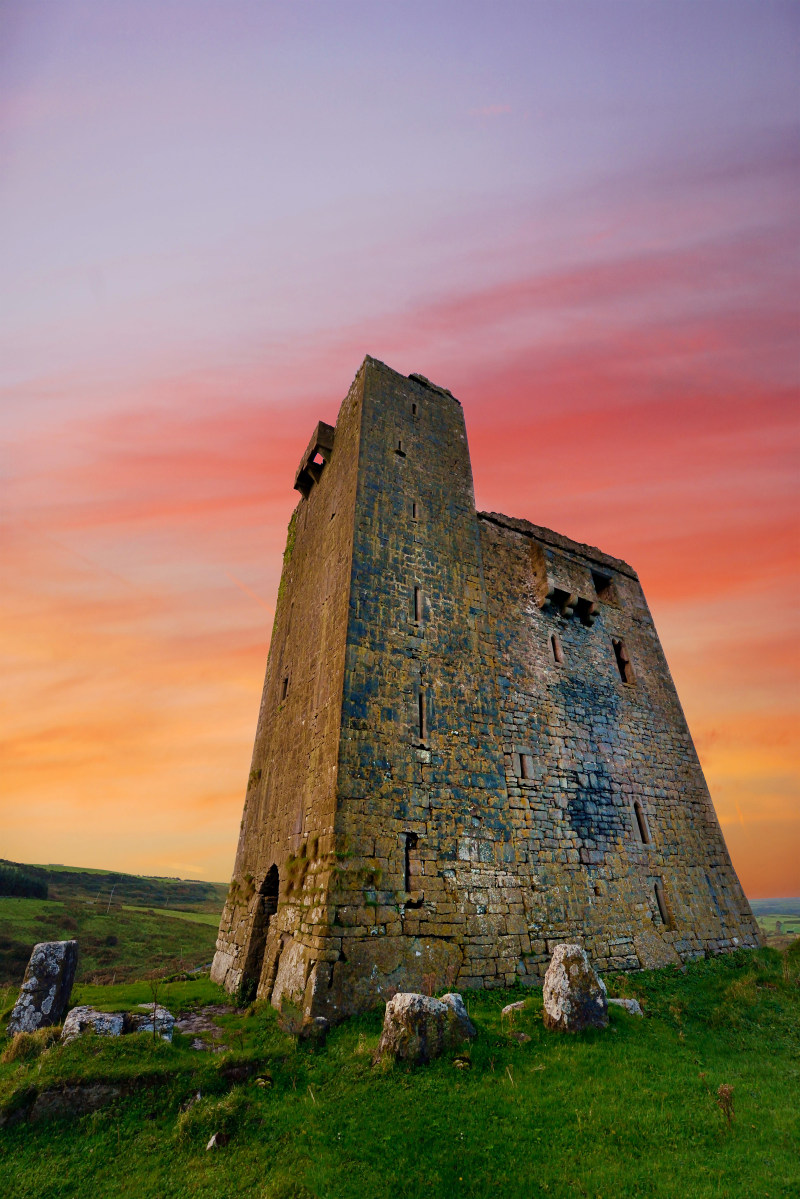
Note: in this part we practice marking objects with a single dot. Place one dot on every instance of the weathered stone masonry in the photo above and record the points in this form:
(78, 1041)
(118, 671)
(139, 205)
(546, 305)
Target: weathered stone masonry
(469, 746)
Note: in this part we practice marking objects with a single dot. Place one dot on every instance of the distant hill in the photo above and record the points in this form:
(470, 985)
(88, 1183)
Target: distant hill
(776, 907)
(69, 883)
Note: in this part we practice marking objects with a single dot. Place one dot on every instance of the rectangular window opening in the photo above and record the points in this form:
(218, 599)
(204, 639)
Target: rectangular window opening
(623, 661)
(557, 651)
(422, 721)
(412, 870)
(284, 688)
(413, 409)
(602, 584)
(400, 449)
(641, 820)
(413, 511)
(417, 606)
(526, 766)
(663, 910)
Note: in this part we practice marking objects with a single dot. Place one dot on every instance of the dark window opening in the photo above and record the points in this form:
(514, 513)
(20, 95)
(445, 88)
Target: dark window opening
(587, 611)
(265, 907)
(417, 606)
(413, 511)
(555, 646)
(422, 719)
(525, 766)
(663, 910)
(284, 688)
(412, 870)
(623, 661)
(400, 449)
(413, 409)
(602, 584)
(641, 820)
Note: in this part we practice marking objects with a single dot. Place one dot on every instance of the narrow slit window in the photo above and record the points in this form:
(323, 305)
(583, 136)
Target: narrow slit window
(400, 449)
(410, 862)
(556, 650)
(641, 821)
(413, 409)
(663, 910)
(422, 721)
(623, 660)
(414, 510)
(284, 688)
(526, 766)
(417, 606)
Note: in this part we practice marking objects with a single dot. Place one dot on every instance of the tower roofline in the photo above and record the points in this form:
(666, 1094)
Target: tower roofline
(559, 541)
(415, 377)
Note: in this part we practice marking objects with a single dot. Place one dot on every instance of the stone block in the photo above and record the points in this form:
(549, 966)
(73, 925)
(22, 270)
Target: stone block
(46, 987)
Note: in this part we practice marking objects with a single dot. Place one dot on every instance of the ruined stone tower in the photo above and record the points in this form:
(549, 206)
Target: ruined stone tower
(469, 745)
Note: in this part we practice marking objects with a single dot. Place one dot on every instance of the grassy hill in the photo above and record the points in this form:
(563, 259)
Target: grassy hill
(632, 1111)
(71, 883)
(126, 925)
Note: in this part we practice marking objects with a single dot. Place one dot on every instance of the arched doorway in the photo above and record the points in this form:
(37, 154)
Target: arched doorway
(265, 908)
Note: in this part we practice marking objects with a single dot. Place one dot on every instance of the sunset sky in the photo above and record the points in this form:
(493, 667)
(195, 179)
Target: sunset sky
(582, 218)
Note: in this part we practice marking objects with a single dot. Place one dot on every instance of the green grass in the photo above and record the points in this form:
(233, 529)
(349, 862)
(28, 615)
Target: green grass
(72, 883)
(113, 945)
(177, 995)
(209, 918)
(790, 923)
(631, 1111)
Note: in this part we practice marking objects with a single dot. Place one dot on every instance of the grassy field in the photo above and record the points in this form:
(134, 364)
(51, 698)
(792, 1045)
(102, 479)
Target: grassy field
(115, 943)
(126, 924)
(632, 1111)
(70, 884)
(209, 918)
(789, 922)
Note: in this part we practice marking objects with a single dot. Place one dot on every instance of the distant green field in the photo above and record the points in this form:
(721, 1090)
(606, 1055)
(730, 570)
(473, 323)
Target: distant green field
(116, 944)
(69, 883)
(632, 1112)
(210, 918)
(790, 923)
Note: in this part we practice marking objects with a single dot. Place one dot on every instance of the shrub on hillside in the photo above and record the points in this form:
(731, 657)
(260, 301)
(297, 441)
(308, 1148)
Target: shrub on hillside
(14, 882)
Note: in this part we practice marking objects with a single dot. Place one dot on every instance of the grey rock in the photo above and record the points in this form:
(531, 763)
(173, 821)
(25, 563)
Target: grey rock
(46, 987)
(511, 1008)
(630, 1005)
(574, 997)
(218, 1140)
(116, 1024)
(143, 1021)
(88, 1019)
(417, 1028)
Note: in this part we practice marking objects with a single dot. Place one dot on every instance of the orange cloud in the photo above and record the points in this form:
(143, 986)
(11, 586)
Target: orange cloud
(640, 405)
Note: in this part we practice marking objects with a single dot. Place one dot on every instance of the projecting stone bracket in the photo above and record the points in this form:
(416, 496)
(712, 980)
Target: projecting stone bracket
(568, 603)
(312, 464)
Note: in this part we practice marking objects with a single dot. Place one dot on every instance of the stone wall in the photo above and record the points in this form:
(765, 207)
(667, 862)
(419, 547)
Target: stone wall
(599, 747)
(469, 745)
(290, 804)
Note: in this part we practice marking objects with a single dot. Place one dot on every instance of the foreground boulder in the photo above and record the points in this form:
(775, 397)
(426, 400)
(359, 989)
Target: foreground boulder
(88, 1019)
(46, 987)
(117, 1024)
(574, 997)
(417, 1028)
(143, 1021)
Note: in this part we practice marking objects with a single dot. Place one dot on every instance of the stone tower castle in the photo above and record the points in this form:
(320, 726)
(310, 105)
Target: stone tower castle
(469, 745)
